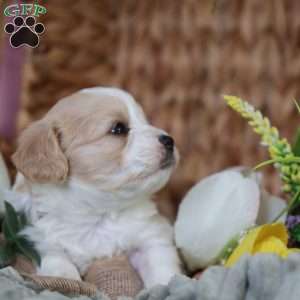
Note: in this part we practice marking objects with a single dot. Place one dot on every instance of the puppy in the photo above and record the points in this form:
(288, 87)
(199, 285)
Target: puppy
(87, 171)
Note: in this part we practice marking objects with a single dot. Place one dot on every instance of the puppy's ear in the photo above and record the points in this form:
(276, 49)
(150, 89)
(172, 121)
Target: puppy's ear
(39, 156)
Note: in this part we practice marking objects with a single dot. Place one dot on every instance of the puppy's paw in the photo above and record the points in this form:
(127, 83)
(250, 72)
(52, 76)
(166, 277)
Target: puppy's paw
(159, 275)
(58, 266)
(156, 265)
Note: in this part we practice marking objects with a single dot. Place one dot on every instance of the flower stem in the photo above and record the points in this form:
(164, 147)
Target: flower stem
(288, 208)
(297, 105)
(292, 159)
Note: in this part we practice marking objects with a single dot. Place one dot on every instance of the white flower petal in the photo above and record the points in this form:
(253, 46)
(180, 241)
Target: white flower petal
(4, 178)
(4, 182)
(214, 211)
(270, 207)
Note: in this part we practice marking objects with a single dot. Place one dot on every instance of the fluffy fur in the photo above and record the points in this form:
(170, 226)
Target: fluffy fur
(88, 192)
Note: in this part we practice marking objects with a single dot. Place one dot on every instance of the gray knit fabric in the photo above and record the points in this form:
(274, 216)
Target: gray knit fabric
(261, 277)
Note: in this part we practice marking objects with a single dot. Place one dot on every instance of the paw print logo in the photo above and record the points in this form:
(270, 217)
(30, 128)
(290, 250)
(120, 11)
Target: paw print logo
(24, 32)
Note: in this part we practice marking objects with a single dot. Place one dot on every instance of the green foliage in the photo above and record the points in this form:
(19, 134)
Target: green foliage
(296, 145)
(15, 242)
(7, 255)
(295, 233)
(228, 249)
(280, 151)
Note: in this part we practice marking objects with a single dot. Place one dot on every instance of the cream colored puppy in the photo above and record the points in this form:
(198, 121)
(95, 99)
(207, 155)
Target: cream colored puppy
(87, 172)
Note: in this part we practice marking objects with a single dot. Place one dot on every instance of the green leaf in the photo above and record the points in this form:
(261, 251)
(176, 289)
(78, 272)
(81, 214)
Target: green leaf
(23, 220)
(11, 218)
(8, 233)
(26, 248)
(12, 225)
(7, 255)
(296, 145)
(295, 233)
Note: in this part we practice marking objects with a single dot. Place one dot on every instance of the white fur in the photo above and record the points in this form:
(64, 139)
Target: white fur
(75, 223)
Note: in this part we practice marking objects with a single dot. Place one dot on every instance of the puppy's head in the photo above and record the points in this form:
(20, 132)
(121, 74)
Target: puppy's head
(100, 137)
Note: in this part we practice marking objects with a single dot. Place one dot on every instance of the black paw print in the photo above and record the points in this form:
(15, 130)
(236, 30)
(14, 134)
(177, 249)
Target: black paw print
(24, 32)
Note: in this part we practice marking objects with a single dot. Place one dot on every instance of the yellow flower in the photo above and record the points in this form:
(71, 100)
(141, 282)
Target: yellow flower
(269, 238)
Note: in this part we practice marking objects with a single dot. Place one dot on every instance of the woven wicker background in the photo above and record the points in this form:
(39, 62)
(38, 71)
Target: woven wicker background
(177, 58)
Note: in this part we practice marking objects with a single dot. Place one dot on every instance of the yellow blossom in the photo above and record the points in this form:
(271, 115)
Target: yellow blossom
(269, 238)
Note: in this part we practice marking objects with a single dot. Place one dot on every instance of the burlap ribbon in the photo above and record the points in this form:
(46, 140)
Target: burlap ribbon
(113, 277)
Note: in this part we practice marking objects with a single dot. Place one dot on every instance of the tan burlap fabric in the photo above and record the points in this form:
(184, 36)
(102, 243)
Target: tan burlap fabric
(177, 58)
(113, 277)
(63, 285)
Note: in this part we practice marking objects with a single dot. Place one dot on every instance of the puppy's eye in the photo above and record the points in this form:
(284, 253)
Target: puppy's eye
(119, 128)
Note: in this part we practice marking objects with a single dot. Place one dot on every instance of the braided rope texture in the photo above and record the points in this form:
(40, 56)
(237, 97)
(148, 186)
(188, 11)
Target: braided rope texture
(177, 58)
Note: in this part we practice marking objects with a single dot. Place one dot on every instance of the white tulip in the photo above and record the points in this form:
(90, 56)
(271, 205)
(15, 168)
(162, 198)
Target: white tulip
(4, 182)
(212, 213)
(270, 207)
(4, 178)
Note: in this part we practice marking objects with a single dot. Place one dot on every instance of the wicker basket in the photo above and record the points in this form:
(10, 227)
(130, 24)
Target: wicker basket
(177, 58)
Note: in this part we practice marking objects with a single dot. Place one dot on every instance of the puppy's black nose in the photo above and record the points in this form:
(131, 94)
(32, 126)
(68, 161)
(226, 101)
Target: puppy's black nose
(167, 141)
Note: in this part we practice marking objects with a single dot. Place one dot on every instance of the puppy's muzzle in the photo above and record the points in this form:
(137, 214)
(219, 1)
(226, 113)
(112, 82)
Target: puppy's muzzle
(168, 144)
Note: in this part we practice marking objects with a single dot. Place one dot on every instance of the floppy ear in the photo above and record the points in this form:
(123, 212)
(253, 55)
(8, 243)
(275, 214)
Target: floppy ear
(39, 156)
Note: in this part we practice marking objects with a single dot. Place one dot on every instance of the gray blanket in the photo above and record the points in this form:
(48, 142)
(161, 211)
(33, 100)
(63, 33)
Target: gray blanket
(262, 277)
